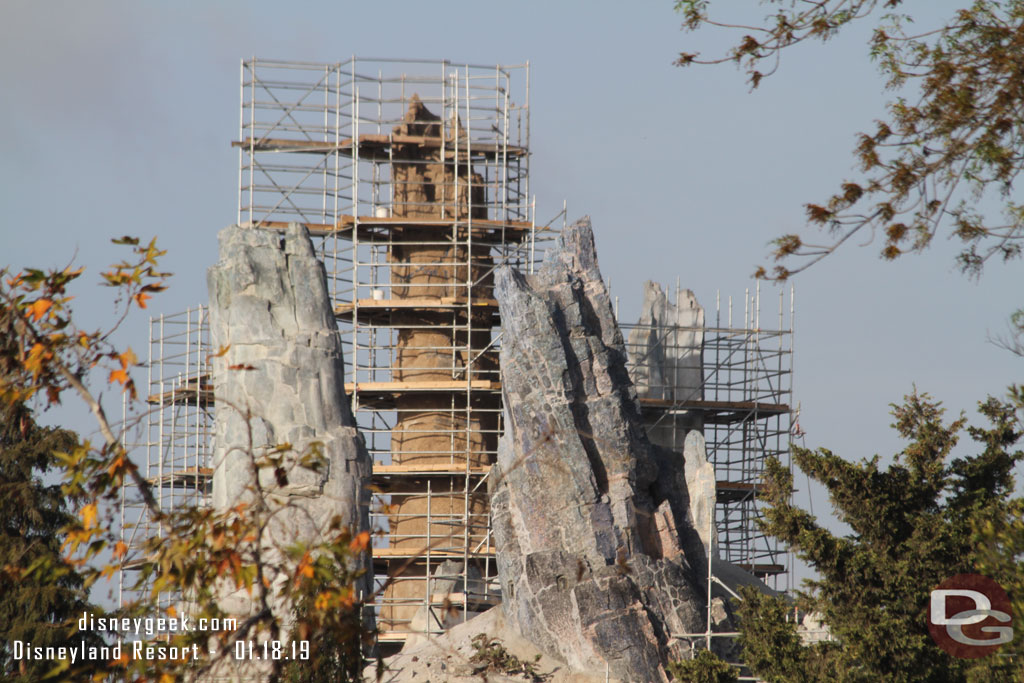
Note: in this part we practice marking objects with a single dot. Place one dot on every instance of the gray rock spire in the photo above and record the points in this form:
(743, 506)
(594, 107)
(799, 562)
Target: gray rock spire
(591, 520)
(281, 381)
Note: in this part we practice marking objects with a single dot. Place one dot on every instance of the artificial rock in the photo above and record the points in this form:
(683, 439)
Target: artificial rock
(597, 549)
(280, 380)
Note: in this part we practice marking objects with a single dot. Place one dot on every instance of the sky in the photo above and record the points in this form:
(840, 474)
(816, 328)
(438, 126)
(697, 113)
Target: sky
(120, 115)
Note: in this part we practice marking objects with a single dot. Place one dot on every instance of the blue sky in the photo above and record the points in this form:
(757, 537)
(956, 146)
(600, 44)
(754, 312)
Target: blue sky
(118, 118)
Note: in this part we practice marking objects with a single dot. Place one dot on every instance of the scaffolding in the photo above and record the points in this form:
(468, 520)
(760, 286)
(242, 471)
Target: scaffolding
(734, 384)
(412, 178)
(173, 447)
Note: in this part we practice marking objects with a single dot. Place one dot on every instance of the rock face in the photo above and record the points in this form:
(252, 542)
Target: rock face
(596, 548)
(269, 306)
(665, 347)
(666, 361)
(451, 657)
(701, 490)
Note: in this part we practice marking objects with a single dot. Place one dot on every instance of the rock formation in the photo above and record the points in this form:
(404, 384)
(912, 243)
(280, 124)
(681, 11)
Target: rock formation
(281, 381)
(596, 547)
(666, 362)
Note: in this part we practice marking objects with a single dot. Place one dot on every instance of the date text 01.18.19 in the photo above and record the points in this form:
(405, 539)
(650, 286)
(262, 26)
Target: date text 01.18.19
(272, 649)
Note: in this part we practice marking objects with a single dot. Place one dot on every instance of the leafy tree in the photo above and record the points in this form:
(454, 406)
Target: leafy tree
(914, 525)
(46, 354)
(954, 134)
(41, 595)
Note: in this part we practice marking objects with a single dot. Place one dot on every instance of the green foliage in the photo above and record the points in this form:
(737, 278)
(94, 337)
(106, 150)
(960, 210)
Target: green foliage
(200, 554)
(914, 525)
(706, 667)
(41, 594)
(771, 645)
(953, 137)
(329, 615)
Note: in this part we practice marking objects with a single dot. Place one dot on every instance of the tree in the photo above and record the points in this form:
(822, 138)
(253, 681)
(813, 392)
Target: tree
(45, 354)
(918, 522)
(705, 667)
(41, 595)
(954, 134)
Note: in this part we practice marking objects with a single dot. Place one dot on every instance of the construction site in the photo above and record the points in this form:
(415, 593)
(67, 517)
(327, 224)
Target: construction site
(412, 177)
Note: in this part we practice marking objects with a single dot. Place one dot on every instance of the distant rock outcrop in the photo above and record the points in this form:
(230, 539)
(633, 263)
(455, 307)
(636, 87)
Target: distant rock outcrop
(666, 346)
(597, 550)
(281, 381)
(666, 361)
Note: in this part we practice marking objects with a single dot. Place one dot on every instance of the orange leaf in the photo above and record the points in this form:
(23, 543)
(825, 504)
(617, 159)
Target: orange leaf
(89, 515)
(141, 298)
(36, 355)
(39, 308)
(360, 542)
(120, 548)
(128, 358)
(305, 568)
(115, 466)
(118, 376)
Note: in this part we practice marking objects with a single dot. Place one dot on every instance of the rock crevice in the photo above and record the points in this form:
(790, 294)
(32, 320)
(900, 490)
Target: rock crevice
(589, 517)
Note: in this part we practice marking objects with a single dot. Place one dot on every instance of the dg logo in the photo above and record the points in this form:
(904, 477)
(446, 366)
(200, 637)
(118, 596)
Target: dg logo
(969, 616)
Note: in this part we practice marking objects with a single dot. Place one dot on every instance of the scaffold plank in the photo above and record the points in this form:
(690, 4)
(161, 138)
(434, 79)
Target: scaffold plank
(715, 412)
(430, 386)
(424, 302)
(416, 553)
(733, 491)
(484, 231)
(430, 468)
(187, 395)
(378, 310)
(762, 569)
(409, 222)
(189, 477)
(379, 143)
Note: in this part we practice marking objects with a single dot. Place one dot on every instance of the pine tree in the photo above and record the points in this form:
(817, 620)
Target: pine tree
(915, 524)
(41, 596)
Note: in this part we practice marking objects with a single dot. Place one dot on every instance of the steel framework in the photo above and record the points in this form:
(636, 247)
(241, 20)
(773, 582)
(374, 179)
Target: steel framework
(740, 399)
(176, 439)
(413, 180)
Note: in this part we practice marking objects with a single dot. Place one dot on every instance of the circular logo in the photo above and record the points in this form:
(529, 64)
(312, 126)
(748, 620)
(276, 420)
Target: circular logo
(969, 616)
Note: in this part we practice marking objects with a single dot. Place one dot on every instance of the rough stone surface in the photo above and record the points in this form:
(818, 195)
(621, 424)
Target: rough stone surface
(269, 307)
(592, 522)
(665, 348)
(448, 658)
(665, 362)
(701, 488)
